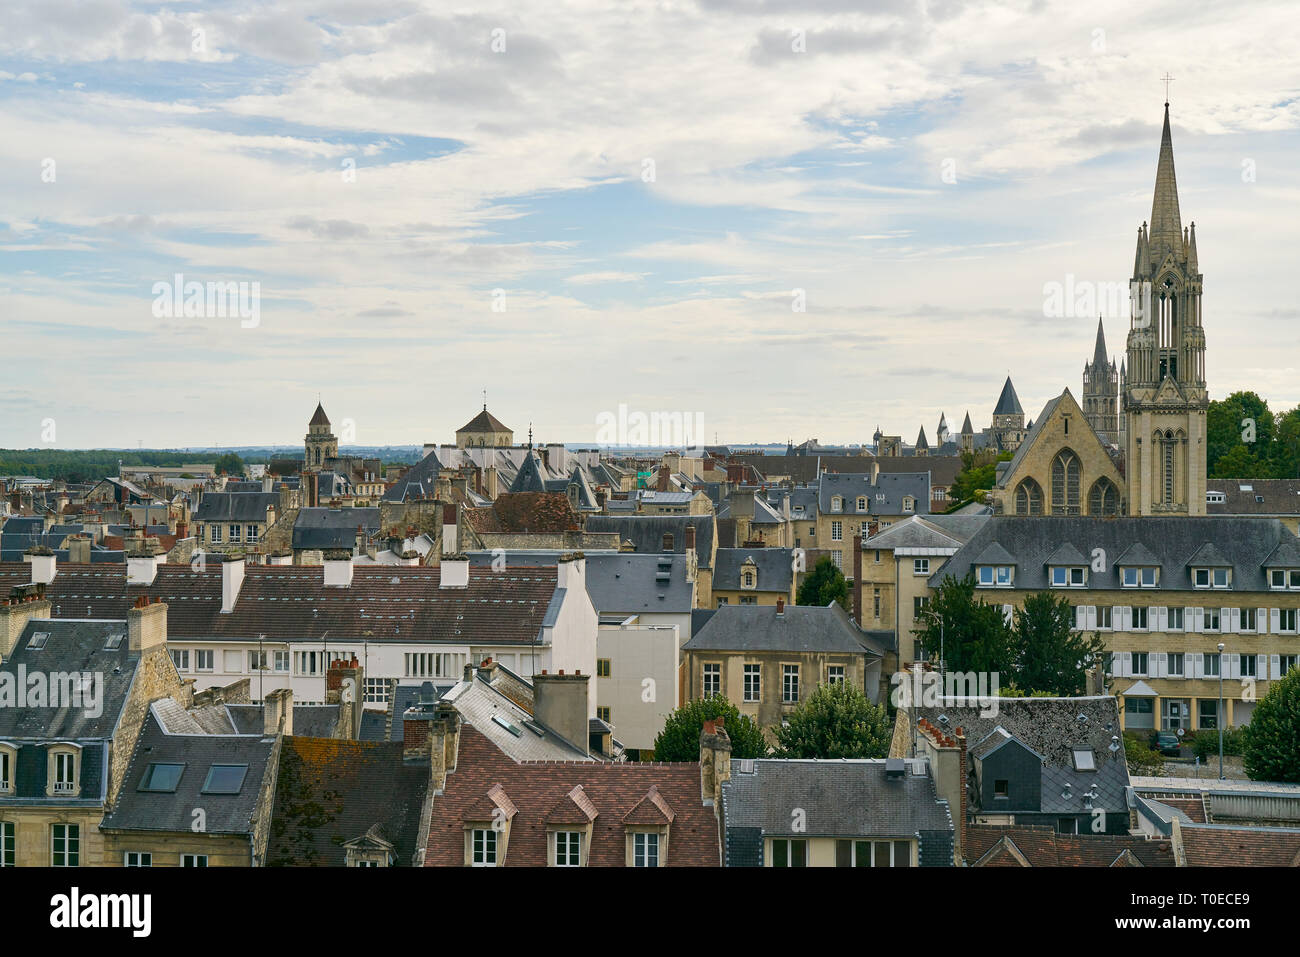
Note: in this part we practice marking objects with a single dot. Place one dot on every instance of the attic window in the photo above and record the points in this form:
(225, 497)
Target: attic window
(225, 779)
(162, 778)
(502, 722)
(1084, 760)
(114, 642)
(38, 640)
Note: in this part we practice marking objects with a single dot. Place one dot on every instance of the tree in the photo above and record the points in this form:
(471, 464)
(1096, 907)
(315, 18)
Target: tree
(973, 635)
(978, 473)
(823, 585)
(1241, 421)
(1143, 760)
(680, 738)
(229, 464)
(1269, 749)
(1049, 655)
(836, 721)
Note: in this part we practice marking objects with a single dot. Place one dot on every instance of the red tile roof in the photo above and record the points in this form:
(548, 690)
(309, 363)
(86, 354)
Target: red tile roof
(1238, 847)
(1192, 807)
(564, 792)
(522, 513)
(291, 602)
(1041, 846)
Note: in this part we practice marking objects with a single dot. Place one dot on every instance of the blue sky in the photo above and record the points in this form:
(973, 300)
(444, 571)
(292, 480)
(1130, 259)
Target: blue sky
(212, 140)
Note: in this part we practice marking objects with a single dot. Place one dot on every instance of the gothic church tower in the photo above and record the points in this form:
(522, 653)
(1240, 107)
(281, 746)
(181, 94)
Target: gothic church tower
(1101, 392)
(1165, 398)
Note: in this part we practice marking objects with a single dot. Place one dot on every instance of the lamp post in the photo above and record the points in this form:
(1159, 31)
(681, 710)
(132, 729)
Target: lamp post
(1219, 722)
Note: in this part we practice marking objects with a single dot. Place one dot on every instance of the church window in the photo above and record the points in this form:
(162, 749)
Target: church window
(1029, 498)
(1065, 483)
(1103, 499)
(1169, 471)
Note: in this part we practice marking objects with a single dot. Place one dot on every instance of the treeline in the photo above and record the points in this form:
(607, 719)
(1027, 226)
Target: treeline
(1247, 440)
(90, 465)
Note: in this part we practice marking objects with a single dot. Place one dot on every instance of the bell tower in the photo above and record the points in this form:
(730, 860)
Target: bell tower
(1165, 399)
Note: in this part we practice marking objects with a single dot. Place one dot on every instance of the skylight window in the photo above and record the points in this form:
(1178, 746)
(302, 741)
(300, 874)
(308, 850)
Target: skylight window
(225, 779)
(1084, 760)
(161, 777)
(502, 722)
(114, 642)
(38, 640)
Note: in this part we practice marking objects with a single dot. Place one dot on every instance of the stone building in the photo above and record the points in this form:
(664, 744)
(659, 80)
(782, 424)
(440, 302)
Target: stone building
(1101, 392)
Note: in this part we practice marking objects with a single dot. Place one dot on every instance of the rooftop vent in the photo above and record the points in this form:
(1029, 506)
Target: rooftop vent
(895, 768)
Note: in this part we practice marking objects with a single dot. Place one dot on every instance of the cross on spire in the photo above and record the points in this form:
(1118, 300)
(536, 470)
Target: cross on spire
(485, 400)
(1168, 79)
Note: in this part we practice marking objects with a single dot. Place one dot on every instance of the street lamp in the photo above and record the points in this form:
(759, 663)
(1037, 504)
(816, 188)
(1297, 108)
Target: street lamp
(1219, 722)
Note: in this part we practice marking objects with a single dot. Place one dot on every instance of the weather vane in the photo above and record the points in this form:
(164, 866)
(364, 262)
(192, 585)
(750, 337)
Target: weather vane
(1168, 79)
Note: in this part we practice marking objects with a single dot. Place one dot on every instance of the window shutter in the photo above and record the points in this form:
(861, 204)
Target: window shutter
(1274, 620)
(1228, 665)
(1261, 620)
(1261, 666)
(1195, 665)
(1274, 666)
(1155, 664)
(1092, 617)
(1233, 624)
(1198, 620)
(1159, 615)
(1080, 617)
(1125, 664)
(1006, 613)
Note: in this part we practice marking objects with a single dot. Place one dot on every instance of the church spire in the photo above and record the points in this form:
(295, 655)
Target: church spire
(1099, 357)
(1166, 235)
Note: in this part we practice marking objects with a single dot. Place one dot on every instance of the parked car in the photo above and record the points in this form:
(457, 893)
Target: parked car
(1167, 743)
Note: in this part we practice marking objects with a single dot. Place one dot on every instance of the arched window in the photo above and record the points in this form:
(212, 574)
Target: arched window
(1103, 499)
(1029, 498)
(1065, 483)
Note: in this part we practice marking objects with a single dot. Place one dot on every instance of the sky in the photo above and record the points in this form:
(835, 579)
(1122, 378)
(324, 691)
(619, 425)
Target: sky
(784, 219)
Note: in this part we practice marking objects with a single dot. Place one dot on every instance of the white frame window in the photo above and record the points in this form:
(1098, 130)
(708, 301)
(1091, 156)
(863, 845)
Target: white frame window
(1213, 620)
(1286, 620)
(250, 534)
(65, 845)
(1177, 616)
(1212, 664)
(137, 859)
(214, 533)
(181, 658)
(483, 847)
(375, 691)
(1176, 664)
(1286, 664)
(835, 675)
(235, 533)
(1140, 663)
(837, 504)
(204, 659)
(8, 844)
(194, 860)
(1141, 618)
(1247, 666)
(789, 684)
(281, 662)
(753, 683)
(1105, 617)
(645, 849)
(837, 531)
(568, 848)
(1248, 619)
(7, 757)
(712, 676)
(63, 773)
(1277, 579)
(920, 566)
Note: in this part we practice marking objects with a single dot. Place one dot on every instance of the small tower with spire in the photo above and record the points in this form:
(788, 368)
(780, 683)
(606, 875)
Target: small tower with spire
(1101, 391)
(320, 444)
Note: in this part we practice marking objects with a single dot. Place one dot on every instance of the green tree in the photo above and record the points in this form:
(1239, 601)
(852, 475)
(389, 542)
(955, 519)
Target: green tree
(1049, 655)
(1143, 760)
(1286, 446)
(1226, 427)
(823, 585)
(973, 634)
(977, 475)
(680, 738)
(1269, 750)
(229, 464)
(836, 721)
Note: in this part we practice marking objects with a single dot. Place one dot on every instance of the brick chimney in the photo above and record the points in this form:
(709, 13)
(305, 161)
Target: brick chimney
(16, 612)
(146, 625)
(780, 606)
(715, 761)
(560, 702)
(277, 712)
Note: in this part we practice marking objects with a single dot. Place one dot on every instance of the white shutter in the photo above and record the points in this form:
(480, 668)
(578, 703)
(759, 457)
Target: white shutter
(1198, 620)
(1261, 620)
(1229, 665)
(1092, 617)
(1233, 624)
(1274, 666)
(1274, 620)
(1080, 617)
(1006, 613)
(1261, 666)
(1155, 664)
(1159, 618)
(1126, 618)
(1124, 662)
(1195, 665)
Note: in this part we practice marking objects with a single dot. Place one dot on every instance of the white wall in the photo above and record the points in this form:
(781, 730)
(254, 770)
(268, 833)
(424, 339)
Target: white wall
(641, 688)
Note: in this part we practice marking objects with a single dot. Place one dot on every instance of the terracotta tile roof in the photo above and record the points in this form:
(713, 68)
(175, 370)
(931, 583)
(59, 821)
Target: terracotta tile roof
(616, 794)
(1192, 807)
(291, 602)
(532, 513)
(330, 791)
(1041, 846)
(1210, 846)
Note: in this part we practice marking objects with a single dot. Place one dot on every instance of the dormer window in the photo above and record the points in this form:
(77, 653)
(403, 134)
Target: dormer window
(1210, 577)
(1068, 576)
(483, 842)
(837, 504)
(909, 503)
(8, 761)
(862, 503)
(1144, 577)
(64, 771)
(995, 576)
(1280, 578)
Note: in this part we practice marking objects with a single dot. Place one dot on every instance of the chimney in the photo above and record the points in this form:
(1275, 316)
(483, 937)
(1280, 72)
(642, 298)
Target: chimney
(43, 564)
(277, 712)
(487, 670)
(268, 482)
(232, 578)
(443, 745)
(560, 702)
(780, 606)
(79, 550)
(182, 529)
(454, 572)
(490, 482)
(449, 529)
(961, 774)
(715, 762)
(142, 563)
(16, 612)
(343, 684)
(571, 572)
(146, 625)
(338, 569)
(690, 538)
(857, 579)
(875, 471)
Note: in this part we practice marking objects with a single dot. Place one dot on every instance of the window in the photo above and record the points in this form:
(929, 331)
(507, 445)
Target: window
(1293, 579)
(181, 658)
(1213, 619)
(1065, 483)
(1104, 615)
(837, 557)
(63, 777)
(65, 845)
(748, 580)
(877, 556)
(282, 664)
(994, 575)
(837, 531)
(194, 860)
(722, 601)
(1176, 664)
(225, 779)
(203, 660)
(1209, 713)
(1001, 788)
(603, 713)
(862, 503)
(1212, 663)
(1140, 662)
(6, 770)
(1029, 498)
(909, 503)
(875, 602)
(789, 683)
(1140, 617)
(1175, 619)
(835, 674)
(837, 504)
(1287, 620)
(645, 850)
(919, 603)
(251, 531)
(788, 852)
(138, 859)
(712, 680)
(1060, 577)
(1084, 759)
(1246, 619)
(1219, 576)
(257, 661)
(8, 854)
(568, 844)
(1103, 499)
(484, 850)
(920, 566)
(161, 778)
(602, 668)
(1139, 706)
(1277, 578)
(313, 662)
(235, 531)
(38, 640)
(749, 599)
(1248, 669)
(1285, 664)
(214, 531)
(753, 682)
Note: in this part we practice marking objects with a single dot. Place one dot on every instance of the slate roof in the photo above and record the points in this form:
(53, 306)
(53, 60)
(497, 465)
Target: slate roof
(893, 486)
(1008, 401)
(327, 528)
(1050, 727)
(485, 421)
(138, 810)
(646, 532)
(917, 532)
(1243, 543)
(800, 629)
(774, 566)
(236, 506)
(840, 798)
(631, 583)
(479, 704)
(1041, 846)
(801, 469)
(616, 791)
(525, 513)
(319, 417)
(292, 602)
(330, 791)
(1254, 496)
(419, 481)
